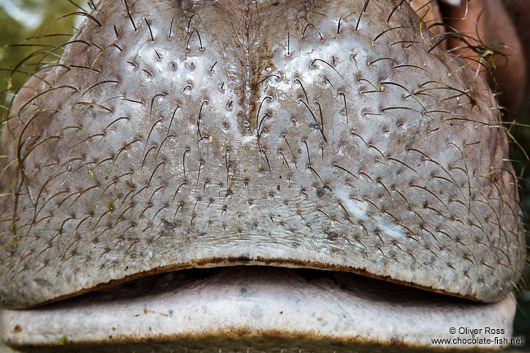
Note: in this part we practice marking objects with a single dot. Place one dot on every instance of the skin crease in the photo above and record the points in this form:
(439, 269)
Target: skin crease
(472, 15)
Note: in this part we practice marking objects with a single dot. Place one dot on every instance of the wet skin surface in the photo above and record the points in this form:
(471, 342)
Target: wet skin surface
(205, 135)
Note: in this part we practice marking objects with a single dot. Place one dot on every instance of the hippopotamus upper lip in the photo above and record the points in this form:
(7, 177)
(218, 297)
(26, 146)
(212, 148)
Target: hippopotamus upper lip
(213, 135)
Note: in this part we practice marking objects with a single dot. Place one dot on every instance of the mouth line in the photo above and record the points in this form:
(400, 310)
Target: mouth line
(252, 305)
(206, 264)
(140, 287)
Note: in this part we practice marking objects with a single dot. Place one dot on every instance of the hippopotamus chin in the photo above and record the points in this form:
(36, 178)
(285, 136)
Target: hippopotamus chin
(257, 175)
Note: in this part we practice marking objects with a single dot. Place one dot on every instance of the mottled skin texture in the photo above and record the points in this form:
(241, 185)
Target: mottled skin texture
(202, 134)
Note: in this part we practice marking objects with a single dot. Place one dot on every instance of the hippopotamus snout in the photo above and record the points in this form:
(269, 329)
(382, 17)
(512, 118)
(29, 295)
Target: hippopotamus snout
(267, 143)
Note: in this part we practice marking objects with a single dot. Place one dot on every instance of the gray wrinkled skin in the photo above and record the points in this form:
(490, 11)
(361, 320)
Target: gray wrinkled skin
(203, 134)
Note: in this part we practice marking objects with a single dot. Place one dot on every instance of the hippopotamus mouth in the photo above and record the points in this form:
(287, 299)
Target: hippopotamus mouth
(250, 164)
(249, 308)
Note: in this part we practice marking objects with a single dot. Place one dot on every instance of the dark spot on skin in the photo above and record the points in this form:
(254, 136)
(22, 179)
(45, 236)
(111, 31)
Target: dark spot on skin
(243, 291)
(332, 235)
(321, 192)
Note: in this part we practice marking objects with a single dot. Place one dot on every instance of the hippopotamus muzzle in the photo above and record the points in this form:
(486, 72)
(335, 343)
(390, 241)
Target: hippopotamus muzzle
(257, 175)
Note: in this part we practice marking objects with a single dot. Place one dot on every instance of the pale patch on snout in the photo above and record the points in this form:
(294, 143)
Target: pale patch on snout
(359, 209)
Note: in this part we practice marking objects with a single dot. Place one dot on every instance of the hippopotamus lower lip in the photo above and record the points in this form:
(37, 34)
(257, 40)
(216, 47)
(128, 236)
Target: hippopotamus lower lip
(248, 307)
